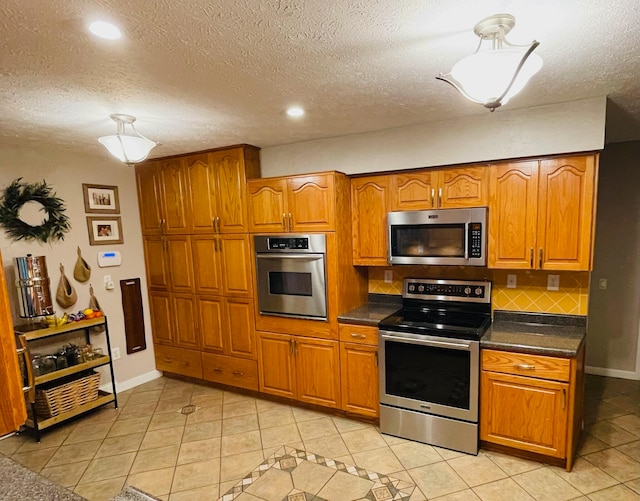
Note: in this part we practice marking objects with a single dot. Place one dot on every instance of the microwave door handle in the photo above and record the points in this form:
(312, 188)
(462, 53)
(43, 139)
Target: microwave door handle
(466, 241)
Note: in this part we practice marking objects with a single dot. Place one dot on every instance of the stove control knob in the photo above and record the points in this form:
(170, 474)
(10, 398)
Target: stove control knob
(412, 287)
(420, 288)
(478, 291)
(467, 290)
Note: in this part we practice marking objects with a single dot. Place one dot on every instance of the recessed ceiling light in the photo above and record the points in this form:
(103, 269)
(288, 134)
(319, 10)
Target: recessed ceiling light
(295, 111)
(105, 30)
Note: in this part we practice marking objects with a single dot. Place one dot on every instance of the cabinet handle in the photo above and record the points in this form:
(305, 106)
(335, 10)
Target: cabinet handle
(213, 224)
(291, 346)
(440, 198)
(358, 336)
(376, 358)
(217, 369)
(290, 222)
(295, 347)
(238, 373)
(163, 225)
(167, 359)
(284, 221)
(564, 398)
(186, 364)
(218, 224)
(531, 258)
(540, 257)
(433, 197)
(525, 367)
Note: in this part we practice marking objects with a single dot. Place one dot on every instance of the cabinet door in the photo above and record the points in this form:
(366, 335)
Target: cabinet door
(236, 262)
(211, 320)
(185, 321)
(359, 378)
(267, 205)
(149, 197)
(161, 317)
(276, 364)
(202, 193)
(525, 413)
(232, 195)
(240, 328)
(565, 213)
(463, 187)
(311, 203)
(412, 191)
(156, 261)
(369, 225)
(177, 214)
(317, 371)
(206, 264)
(180, 263)
(513, 215)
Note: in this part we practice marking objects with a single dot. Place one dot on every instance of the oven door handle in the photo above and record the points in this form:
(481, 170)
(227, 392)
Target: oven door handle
(427, 342)
(308, 257)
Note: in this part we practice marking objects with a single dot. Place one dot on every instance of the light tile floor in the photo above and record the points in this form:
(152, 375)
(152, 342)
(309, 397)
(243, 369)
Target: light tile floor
(150, 444)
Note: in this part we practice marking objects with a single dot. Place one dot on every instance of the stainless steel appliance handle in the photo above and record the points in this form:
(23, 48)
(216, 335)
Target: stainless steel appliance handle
(310, 257)
(426, 342)
(466, 240)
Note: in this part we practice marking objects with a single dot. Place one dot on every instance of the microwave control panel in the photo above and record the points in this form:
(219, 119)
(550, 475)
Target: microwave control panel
(475, 239)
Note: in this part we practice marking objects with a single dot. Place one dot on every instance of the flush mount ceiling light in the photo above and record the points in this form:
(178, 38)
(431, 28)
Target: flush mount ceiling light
(295, 111)
(493, 76)
(128, 148)
(105, 30)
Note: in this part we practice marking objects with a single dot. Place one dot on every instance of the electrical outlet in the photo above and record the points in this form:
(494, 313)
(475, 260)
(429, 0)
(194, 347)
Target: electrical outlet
(602, 284)
(512, 281)
(553, 282)
(115, 353)
(388, 276)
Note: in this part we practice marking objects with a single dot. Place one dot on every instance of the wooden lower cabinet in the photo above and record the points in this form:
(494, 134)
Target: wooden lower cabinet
(231, 371)
(359, 379)
(178, 361)
(532, 403)
(301, 368)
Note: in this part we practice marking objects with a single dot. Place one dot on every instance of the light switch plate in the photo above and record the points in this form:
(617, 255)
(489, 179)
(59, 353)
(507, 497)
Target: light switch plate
(512, 281)
(388, 276)
(553, 282)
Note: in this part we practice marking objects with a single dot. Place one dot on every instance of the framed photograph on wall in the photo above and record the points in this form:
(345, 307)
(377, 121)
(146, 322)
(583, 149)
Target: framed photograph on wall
(100, 199)
(105, 230)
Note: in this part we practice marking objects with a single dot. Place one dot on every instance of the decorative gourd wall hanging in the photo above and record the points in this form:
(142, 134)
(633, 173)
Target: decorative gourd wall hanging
(16, 195)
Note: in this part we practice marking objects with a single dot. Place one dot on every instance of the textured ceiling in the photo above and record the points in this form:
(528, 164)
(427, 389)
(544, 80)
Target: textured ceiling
(201, 74)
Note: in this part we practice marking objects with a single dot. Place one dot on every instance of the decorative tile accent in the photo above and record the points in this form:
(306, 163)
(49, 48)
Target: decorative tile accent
(531, 293)
(288, 459)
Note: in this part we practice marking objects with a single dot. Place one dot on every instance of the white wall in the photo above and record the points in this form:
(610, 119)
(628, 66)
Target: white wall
(614, 313)
(66, 172)
(560, 128)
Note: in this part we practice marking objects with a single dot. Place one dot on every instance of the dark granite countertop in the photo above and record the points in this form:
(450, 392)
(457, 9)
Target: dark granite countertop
(539, 334)
(378, 307)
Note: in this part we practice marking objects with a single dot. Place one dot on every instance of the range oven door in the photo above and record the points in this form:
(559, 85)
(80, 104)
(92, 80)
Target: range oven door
(292, 284)
(430, 374)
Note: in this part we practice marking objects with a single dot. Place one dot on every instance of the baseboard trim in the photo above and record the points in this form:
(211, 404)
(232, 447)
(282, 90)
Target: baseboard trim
(132, 383)
(601, 371)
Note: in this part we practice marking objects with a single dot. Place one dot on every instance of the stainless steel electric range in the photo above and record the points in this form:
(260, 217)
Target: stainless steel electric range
(430, 362)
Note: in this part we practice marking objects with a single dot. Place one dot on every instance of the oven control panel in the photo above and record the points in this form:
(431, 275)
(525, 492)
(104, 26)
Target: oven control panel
(447, 290)
(288, 243)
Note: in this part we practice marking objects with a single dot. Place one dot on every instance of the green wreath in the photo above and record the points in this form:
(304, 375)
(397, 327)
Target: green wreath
(19, 193)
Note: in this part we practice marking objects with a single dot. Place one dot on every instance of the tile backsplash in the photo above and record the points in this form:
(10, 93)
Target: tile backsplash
(530, 294)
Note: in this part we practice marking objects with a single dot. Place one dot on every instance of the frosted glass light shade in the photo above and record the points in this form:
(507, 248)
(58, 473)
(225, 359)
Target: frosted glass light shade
(128, 149)
(484, 76)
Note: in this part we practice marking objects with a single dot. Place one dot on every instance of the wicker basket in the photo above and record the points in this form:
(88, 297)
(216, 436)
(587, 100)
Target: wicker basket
(65, 397)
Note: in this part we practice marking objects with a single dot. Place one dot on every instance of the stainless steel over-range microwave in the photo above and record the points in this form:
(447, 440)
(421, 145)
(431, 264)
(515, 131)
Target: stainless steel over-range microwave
(438, 237)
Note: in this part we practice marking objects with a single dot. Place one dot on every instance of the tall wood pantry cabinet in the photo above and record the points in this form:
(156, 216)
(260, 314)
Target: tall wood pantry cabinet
(199, 266)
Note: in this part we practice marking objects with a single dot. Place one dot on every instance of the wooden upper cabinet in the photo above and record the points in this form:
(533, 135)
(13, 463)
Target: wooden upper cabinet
(180, 263)
(512, 215)
(203, 193)
(236, 261)
(565, 213)
(175, 200)
(297, 203)
(463, 187)
(369, 202)
(267, 205)
(311, 203)
(149, 197)
(229, 166)
(206, 264)
(541, 214)
(412, 190)
(157, 262)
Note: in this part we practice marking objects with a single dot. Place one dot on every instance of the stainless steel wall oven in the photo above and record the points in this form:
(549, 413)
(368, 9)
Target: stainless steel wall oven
(291, 275)
(430, 362)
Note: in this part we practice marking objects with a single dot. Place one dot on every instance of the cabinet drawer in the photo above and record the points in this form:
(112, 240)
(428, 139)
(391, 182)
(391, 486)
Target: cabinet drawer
(362, 334)
(230, 370)
(178, 361)
(524, 364)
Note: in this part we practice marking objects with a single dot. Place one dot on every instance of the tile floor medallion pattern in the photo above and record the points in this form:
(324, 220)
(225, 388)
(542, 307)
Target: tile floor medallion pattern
(150, 443)
(288, 459)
